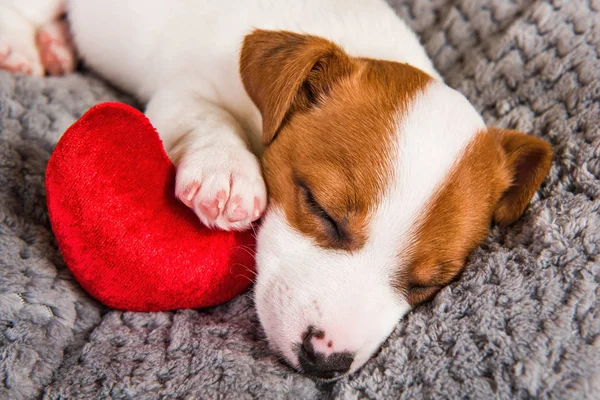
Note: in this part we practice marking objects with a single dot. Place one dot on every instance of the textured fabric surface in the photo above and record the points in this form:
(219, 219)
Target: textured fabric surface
(42, 309)
(126, 238)
(522, 322)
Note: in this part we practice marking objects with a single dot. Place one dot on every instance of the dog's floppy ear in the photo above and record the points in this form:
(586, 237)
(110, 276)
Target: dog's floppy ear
(285, 72)
(528, 160)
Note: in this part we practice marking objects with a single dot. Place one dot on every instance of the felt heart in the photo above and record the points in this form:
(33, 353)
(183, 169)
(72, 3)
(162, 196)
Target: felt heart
(125, 237)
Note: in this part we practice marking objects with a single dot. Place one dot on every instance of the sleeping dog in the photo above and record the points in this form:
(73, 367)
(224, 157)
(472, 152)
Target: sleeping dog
(381, 179)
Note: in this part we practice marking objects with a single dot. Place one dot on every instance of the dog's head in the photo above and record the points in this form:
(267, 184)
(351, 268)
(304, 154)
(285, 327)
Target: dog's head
(381, 182)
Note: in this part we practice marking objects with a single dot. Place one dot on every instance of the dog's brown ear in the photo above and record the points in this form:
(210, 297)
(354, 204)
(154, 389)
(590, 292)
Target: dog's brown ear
(528, 160)
(286, 72)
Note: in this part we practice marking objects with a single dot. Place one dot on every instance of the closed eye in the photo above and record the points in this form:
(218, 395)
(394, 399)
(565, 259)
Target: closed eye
(417, 287)
(418, 294)
(317, 210)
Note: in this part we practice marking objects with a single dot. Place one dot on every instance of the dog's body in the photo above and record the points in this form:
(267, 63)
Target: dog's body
(381, 178)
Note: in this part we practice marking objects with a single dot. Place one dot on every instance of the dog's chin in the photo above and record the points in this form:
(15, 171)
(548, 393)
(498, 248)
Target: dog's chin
(347, 309)
(295, 367)
(290, 360)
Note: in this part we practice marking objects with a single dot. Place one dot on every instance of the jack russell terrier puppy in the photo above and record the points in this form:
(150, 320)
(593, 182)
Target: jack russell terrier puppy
(381, 179)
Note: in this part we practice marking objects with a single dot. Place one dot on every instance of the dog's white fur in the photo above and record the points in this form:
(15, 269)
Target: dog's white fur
(348, 295)
(181, 57)
(19, 21)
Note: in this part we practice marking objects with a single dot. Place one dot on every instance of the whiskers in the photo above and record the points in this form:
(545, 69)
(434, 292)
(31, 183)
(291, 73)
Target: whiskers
(251, 280)
(247, 249)
(251, 272)
(254, 233)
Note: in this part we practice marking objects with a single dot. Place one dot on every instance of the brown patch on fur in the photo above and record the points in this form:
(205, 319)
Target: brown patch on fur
(329, 120)
(455, 221)
(528, 159)
(495, 179)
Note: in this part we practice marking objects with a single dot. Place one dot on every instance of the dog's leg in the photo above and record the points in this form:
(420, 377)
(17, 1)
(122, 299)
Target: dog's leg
(57, 51)
(217, 175)
(20, 21)
(18, 50)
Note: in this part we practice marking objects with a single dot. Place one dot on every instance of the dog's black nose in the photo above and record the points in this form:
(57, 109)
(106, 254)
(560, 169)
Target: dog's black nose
(320, 365)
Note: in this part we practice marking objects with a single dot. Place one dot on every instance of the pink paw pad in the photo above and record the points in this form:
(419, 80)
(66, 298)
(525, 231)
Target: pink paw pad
(257, 209)
(13, 62)
(237, 210)
(56, 48)
(210, 208)
(187, 196)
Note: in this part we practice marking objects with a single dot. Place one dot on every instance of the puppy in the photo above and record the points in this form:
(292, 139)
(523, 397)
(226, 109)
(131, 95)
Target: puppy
(381, 178)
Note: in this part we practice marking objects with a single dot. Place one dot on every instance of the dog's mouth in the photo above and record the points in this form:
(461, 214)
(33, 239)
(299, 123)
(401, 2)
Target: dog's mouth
(324, 379)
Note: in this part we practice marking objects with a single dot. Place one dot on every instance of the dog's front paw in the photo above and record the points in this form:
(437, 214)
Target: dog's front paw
(57, 51)
(18, 51)
(15, 58)
(224, 187)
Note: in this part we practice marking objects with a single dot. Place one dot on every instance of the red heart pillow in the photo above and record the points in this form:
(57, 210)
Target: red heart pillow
(125, 237)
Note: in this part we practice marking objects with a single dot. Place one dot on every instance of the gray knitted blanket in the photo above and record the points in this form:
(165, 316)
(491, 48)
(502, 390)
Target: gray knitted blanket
(522, 322)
